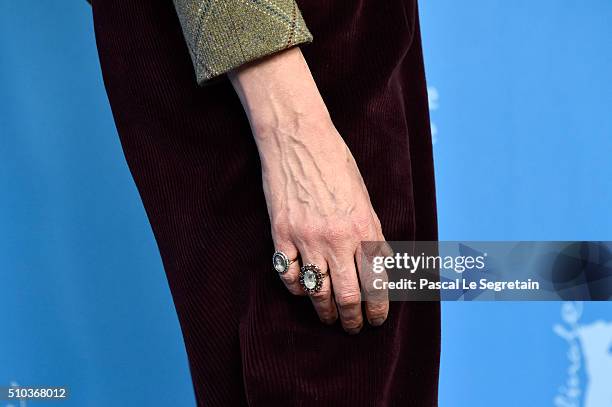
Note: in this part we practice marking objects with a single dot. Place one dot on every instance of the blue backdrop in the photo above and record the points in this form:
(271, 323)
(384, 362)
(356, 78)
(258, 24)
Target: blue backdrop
(521, 107)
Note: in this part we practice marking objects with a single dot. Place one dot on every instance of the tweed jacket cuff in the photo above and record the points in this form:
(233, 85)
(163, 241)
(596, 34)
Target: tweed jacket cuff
(223, 34)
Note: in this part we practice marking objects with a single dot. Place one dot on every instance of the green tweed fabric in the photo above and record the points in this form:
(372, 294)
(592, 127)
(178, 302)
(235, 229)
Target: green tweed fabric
(224, 34)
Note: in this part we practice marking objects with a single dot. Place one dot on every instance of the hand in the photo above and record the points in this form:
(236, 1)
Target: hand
(320, 209)
(318, 204)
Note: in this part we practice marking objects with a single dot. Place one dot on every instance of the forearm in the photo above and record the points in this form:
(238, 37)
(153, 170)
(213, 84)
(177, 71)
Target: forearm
(292, 129)
(279, 95)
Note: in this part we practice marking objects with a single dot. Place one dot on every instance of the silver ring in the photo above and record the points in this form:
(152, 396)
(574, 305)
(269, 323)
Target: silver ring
(281, 262)
(311, 278)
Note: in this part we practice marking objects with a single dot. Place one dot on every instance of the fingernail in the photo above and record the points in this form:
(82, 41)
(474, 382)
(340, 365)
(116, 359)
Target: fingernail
(377, 321)
(353, 331)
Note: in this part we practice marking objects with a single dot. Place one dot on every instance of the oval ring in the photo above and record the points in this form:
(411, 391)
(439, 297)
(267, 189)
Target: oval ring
(280, 262)
(311, 278)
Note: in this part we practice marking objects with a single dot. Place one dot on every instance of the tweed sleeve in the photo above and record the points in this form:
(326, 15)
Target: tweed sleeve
(224, 34)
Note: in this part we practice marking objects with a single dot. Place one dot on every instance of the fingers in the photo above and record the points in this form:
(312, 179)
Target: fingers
(376, 298)
(291, 277)
(346, 289)
(336, 248)
(322, 300)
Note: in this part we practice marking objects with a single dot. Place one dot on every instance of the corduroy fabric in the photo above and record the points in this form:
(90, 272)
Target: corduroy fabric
(194, 161)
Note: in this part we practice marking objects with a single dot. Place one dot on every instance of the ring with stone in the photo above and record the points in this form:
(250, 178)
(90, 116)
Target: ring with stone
(311, 278)
(281, 262)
